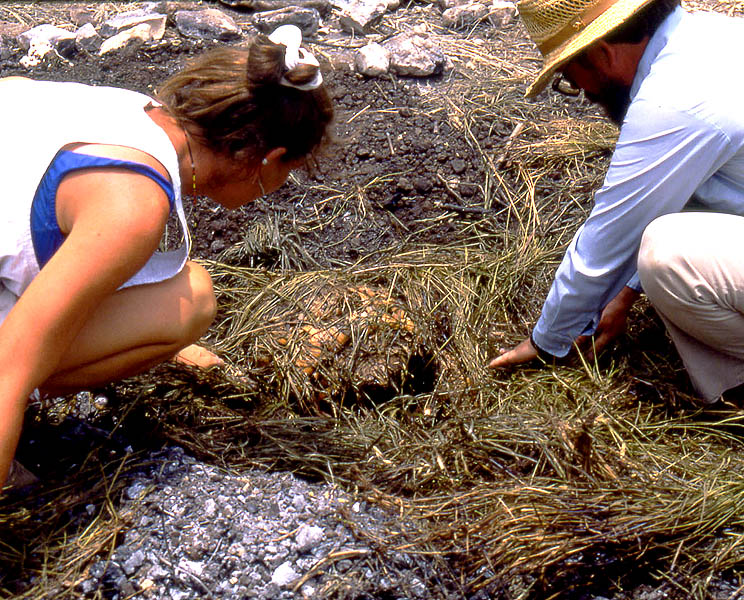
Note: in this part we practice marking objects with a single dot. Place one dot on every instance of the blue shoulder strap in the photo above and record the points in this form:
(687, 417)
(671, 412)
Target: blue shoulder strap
(45, 232)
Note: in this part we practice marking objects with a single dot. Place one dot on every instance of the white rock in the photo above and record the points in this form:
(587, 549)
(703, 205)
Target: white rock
(210, 508)
(307, 537)
(372, 60)
(137, 35)
(284, 574)
(88, 39)
(445, 4)
(44, 34)
(36, 54)
(191, 566)
(132, 18)
(464, 15)
(502, 12)
(415, 55)
(358, 16)
(177, 594)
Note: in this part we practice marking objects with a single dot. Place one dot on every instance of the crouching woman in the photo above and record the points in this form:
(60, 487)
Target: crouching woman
(90, 176)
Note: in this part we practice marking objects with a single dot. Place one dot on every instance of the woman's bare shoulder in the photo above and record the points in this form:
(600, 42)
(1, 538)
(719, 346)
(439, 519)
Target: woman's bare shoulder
(121, 153)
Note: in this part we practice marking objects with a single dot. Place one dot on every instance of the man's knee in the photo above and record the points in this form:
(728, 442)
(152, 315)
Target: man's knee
(657, 255)
(662, 261)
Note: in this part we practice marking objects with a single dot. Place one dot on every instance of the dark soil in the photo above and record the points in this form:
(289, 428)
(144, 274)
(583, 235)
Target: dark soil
(397, 171)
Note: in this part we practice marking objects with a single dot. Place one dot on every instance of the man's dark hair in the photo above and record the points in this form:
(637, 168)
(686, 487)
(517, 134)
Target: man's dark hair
(644, 23)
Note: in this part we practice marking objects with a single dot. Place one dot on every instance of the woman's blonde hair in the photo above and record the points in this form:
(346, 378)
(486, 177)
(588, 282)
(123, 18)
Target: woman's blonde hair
(232, 100)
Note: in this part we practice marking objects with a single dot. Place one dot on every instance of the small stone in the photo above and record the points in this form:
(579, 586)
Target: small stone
(307, 19)
(87, 38)
(158, 572)
(343, 565)
(299, 503)
(97, 569)
(136, 490)
(177, 594)
(307, 591)
(418, 588)
(308, 537)
(156, 22)
(134, 562)
(423, 184)
(217, 246)
(464, 15)
(129, 38)
(284, 574)
(414, 55)
(360, 16)
(100, 402)
(458, 166)
(209, 23)
(404, 185)
(210, 508)
(89, 586)
(191, 566)
(81, 16)
(372, 60)
(502, 12)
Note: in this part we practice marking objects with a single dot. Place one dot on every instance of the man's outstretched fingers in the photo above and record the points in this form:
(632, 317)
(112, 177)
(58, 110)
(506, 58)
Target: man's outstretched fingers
(522, 353)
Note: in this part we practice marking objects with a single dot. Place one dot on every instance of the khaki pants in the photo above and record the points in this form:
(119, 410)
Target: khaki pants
(691, 265)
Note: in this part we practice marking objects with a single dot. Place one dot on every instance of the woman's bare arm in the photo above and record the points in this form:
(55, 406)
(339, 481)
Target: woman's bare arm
(114, 221)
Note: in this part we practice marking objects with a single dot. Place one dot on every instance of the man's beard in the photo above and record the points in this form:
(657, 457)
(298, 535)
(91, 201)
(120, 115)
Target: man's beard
(614, 99)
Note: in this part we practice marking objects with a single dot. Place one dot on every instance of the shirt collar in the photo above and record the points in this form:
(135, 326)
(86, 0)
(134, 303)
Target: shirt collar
(654, 47)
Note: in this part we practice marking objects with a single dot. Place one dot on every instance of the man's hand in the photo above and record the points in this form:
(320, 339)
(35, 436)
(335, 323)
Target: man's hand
(611, 323)
(522, 353)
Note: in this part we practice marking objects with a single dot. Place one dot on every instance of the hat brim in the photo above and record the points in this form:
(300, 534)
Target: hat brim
(609, 20)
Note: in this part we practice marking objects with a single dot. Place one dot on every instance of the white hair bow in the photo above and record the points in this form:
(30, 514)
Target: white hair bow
(290, 36)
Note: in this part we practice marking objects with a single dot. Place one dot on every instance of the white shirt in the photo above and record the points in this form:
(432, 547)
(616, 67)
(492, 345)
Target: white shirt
(37, 119)
(683, 136)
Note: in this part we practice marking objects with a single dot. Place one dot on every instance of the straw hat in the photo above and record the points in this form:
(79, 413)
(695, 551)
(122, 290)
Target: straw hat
(561, 29)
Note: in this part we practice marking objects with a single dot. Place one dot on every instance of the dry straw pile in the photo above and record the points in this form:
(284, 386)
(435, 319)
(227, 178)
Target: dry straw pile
(536, 483)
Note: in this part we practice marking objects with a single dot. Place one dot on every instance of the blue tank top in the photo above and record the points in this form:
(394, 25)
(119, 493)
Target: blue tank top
(46, 235)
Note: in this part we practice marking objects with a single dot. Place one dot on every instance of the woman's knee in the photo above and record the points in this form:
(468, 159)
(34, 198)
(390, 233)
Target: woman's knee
(202, 304)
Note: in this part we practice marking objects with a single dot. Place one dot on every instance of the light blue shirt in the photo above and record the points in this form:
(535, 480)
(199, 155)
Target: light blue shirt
(683, 136)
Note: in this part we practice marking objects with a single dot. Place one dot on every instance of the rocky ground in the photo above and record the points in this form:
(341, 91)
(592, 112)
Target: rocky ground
(198, 532)
(400, 171)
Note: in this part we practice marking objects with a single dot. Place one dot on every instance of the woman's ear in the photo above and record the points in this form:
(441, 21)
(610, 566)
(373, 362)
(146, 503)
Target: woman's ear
(274, 154)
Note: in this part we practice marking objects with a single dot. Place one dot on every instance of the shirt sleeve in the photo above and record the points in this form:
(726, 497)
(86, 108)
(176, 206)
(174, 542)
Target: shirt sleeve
(661, 157)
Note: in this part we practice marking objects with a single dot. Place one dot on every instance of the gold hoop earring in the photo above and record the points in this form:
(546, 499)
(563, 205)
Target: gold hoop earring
(260, 184)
